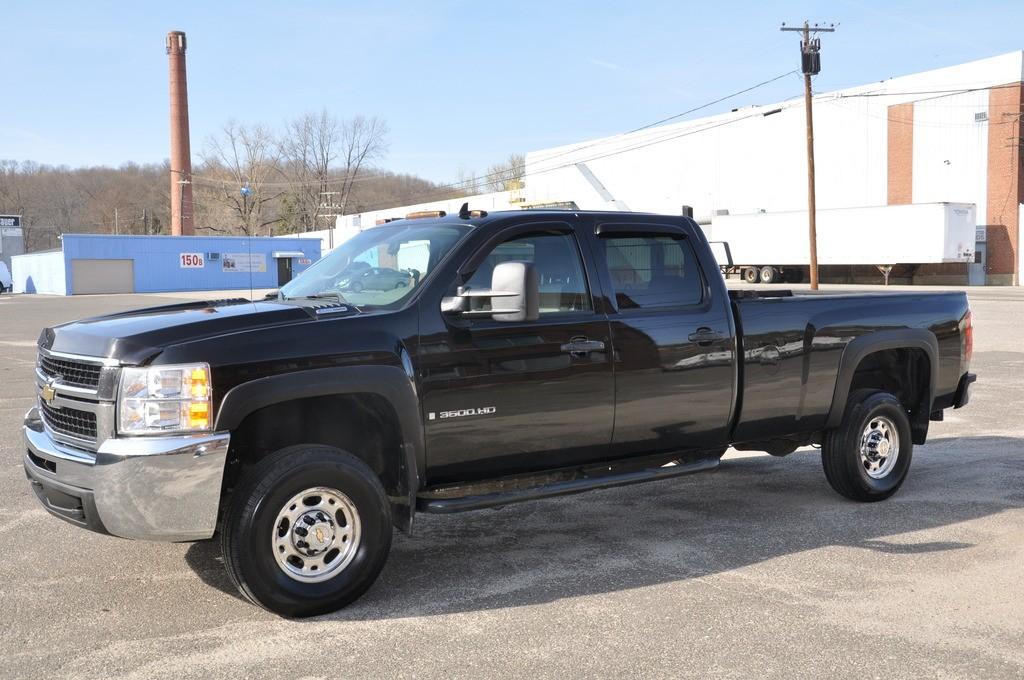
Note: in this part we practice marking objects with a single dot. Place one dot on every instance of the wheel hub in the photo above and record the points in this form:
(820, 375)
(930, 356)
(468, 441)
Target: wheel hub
(313, 534)
(879, 447)
(316, 534)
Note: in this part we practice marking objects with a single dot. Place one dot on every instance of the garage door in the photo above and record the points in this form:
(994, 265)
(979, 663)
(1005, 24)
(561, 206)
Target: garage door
(102, 276)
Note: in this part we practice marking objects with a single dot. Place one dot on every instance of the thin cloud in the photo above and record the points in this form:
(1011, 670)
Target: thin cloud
(607, 65)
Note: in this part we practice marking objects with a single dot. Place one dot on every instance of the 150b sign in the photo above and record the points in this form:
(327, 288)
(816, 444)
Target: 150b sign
(192, 261)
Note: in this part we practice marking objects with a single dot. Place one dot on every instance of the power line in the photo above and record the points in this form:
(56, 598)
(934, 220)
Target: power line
(672, 117)
(687, 133)
(962, 90)
(502, 174)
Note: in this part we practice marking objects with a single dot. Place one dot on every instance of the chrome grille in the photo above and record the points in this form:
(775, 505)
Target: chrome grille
(70, 421)
(69, 372)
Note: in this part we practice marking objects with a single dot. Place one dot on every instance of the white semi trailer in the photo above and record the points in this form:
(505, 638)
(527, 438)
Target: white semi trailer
(771, 247)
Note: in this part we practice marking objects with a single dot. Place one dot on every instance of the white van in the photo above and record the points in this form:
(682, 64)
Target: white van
(5, 277)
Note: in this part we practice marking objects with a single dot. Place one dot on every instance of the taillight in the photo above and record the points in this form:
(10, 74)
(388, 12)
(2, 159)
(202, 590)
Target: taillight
(968, 336)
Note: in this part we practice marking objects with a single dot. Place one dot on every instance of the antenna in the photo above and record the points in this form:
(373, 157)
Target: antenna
(248, 241)
(246, 192)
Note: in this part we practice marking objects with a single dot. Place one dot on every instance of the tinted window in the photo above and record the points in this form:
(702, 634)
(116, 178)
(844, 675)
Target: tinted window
(653, 271)
(563, 287)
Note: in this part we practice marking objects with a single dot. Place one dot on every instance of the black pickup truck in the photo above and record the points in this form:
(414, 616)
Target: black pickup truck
(526, 355)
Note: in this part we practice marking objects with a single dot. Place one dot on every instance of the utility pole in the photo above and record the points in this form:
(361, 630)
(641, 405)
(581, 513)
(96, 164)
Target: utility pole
(115, 221)
(333, 211)
(181, 207)
(810, 62)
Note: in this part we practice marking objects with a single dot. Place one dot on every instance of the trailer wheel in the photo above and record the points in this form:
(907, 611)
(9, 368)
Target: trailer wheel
(750, 274)
(769, 275)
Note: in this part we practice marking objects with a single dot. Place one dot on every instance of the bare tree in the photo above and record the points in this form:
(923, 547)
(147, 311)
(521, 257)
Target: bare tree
(466, 183)
(363, 140)
(309, 150)
(507, 175)
(284, 184)
(239, 166)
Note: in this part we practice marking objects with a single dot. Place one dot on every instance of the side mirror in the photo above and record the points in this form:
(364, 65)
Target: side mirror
(514, 295)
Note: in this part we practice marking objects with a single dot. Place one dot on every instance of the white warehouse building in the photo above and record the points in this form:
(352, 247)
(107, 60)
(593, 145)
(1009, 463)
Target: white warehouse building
(948, 135)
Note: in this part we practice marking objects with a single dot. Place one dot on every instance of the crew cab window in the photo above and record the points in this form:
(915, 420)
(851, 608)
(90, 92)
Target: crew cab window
(556, 257)
(653, 271)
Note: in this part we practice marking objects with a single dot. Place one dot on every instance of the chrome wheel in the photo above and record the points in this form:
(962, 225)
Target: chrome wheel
(879, 447)
(316, 534)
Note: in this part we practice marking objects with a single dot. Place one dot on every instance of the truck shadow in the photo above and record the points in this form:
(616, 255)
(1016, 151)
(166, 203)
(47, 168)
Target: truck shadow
(752, 510)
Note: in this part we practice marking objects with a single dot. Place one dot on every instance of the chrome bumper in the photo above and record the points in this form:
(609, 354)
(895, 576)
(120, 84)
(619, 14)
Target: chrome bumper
(154, 488)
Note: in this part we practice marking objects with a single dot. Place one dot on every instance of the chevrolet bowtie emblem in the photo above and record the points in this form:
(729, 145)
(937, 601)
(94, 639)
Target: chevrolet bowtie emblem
(48, 393)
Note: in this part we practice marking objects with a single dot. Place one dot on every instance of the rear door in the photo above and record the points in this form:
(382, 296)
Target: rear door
(507, 397)
(672, 332)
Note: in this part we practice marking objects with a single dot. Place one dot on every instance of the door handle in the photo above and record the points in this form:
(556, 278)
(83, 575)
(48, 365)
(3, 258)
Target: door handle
(705, 336)
(580, 347)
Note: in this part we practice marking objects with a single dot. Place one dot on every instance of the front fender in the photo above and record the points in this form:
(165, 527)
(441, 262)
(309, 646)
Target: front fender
(390, 382)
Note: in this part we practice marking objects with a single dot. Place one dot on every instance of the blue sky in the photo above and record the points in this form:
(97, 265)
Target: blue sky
(461, 84)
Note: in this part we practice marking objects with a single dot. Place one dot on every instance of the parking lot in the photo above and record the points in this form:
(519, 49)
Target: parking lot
(757, 569)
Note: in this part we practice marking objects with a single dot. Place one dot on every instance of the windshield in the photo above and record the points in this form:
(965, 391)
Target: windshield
(379, 267)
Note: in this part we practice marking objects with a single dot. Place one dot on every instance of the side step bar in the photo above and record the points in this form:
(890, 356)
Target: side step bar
(493, 499)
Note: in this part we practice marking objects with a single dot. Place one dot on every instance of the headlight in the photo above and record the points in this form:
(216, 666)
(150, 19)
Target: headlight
(164, 399)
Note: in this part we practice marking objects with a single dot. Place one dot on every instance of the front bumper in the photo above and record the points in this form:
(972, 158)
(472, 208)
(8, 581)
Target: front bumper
(154, 488)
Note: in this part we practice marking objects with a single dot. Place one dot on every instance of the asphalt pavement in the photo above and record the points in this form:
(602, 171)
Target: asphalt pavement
(755, 570)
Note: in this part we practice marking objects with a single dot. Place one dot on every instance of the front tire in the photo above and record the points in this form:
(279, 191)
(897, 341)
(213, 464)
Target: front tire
(306, 531)
(868, 456)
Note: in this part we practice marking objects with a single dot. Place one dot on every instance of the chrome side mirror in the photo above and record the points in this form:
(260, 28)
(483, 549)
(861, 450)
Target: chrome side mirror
(514, 295)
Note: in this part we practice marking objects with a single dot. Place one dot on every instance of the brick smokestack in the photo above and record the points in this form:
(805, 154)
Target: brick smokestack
(181, 155)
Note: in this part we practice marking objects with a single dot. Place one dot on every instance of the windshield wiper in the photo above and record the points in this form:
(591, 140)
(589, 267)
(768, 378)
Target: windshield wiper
(323, 296)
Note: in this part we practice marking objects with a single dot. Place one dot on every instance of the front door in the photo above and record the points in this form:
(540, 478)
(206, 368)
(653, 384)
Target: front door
(976, 269)
(284, 270)
(507, 397)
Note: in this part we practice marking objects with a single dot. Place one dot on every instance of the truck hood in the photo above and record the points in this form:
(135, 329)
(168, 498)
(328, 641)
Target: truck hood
(135, 337)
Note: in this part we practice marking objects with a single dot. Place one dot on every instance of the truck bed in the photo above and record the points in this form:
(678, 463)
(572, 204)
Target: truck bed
(792, 347)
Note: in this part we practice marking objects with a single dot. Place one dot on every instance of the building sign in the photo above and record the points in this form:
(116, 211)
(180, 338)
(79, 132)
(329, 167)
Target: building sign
(981, 233)
(244, 262)
(191, 260)
(10, 220)
(304, 261)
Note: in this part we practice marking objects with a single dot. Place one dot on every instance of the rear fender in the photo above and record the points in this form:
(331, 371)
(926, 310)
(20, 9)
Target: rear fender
(860, 347)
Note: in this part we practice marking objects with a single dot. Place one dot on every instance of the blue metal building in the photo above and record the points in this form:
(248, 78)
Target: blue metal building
(102, 263)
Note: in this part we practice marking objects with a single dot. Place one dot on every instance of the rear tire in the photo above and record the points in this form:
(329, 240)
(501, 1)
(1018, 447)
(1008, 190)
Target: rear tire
(868, 456)
(768, 275)
(276, 504)
(750, 274)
